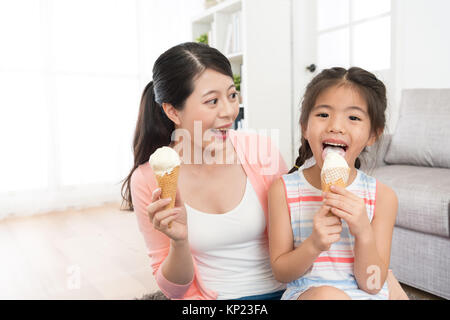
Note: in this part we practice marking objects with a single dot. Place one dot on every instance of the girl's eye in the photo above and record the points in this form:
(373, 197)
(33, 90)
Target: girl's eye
(233, 95)
(322, 115)
(354, 118)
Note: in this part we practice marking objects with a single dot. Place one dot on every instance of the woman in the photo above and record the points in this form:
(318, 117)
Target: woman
(213, 244)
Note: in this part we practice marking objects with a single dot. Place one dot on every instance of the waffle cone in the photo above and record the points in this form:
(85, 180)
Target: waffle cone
(168, 184)
(326, 186)
(336, 177)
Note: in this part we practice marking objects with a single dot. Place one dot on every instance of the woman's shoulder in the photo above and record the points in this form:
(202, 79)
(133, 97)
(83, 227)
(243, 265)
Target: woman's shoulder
(143, 178)
(138, 173)
(259, 152)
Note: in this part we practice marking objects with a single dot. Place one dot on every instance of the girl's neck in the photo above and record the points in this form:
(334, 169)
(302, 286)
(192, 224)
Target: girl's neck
(312, 175)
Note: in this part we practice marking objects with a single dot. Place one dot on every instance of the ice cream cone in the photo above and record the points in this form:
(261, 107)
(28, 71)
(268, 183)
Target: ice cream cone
(165, 164)
(168, 184)
(334, 176)
(335, 171)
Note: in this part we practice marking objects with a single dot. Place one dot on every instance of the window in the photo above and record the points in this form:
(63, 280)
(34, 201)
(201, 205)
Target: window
(71, 77)
(354, 33)
(23, 113)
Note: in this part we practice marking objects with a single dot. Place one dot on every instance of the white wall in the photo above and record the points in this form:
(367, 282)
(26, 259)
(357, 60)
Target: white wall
(420, 51)
(304, 54)
(161, 24)
(267, 70)
(422, 46)
(424, 43)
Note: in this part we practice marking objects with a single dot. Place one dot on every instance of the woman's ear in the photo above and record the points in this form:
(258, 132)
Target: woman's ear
(171, 113)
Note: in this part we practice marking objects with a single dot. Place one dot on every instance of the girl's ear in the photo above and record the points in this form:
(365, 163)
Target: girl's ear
(374, 137)
(171, 113)
(303, 132)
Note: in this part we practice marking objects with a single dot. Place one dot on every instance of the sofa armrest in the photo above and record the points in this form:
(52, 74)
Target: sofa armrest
(374, 155)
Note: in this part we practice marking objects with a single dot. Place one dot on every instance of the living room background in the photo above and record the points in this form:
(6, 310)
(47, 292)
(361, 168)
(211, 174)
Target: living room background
(70, 90)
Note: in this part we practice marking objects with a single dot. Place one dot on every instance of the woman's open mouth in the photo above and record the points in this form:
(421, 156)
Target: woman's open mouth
(220, 133)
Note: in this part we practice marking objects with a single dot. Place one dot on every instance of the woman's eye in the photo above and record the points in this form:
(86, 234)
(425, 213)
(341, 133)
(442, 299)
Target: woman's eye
(233, 95)
(354, 118)
(322, 115)
(212, 101)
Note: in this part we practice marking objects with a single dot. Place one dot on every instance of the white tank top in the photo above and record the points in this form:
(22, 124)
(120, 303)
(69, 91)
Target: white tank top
(231, 249)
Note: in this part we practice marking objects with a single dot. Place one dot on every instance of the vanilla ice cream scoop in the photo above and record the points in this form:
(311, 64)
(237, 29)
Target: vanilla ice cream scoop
(335, 169)
(165, 163)
(334, 159)
(164, 160)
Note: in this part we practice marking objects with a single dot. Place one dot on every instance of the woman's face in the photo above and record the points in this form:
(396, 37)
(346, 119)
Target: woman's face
(339, 116)
(214, 104)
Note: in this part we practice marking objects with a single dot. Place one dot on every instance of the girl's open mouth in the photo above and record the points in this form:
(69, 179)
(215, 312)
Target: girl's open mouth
(327, 146)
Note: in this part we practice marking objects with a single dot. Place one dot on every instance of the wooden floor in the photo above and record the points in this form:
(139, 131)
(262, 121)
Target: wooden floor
(95, 253)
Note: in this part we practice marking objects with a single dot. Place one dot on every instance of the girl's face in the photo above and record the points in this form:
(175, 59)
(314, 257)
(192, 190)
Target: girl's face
(339, 117)
(215, 104)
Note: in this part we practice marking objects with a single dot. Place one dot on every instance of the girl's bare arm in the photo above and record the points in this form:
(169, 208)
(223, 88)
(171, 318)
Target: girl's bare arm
(289, 263)
(373, 249)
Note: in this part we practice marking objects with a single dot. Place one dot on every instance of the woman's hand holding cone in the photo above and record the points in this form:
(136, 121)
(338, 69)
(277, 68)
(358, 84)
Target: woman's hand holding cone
(172, 221)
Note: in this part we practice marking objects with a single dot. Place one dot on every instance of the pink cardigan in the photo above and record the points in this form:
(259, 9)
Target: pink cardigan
(261, 162)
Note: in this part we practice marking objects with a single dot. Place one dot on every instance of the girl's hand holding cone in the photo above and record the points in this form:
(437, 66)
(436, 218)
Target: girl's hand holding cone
(171, 221)
(348, 206)
(326, 229)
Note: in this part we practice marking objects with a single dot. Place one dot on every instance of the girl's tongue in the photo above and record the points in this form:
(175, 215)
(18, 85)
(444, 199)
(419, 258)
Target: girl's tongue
(328, 149)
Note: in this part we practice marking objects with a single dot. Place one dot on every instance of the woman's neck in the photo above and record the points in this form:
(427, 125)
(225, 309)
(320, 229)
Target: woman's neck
(204, 158)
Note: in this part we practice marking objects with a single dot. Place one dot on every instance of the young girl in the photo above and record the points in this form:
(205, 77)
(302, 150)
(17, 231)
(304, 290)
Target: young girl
(343, 255)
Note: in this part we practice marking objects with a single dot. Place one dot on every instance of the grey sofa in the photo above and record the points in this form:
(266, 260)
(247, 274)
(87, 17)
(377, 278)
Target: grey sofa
(415, 163)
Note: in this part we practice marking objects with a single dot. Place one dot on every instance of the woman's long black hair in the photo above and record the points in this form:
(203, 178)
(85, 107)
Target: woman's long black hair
(174, 73)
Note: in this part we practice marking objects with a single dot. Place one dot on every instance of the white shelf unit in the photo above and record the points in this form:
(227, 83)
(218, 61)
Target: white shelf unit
(263, 59)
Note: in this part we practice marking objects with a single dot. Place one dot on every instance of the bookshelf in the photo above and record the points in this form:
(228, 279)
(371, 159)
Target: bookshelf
(255, 35)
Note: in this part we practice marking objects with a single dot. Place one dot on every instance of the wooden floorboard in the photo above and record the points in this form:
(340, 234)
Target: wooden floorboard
(43, 256)
(95, 253)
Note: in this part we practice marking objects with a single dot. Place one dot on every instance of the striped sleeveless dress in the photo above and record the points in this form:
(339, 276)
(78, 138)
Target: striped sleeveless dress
(335, 266)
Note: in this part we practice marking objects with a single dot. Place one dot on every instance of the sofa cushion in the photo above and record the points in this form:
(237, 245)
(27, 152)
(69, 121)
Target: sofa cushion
(421, 136)
(423, 194)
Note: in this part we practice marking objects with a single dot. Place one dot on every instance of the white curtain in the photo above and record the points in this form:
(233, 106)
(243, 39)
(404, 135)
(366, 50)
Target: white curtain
(71, 76)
